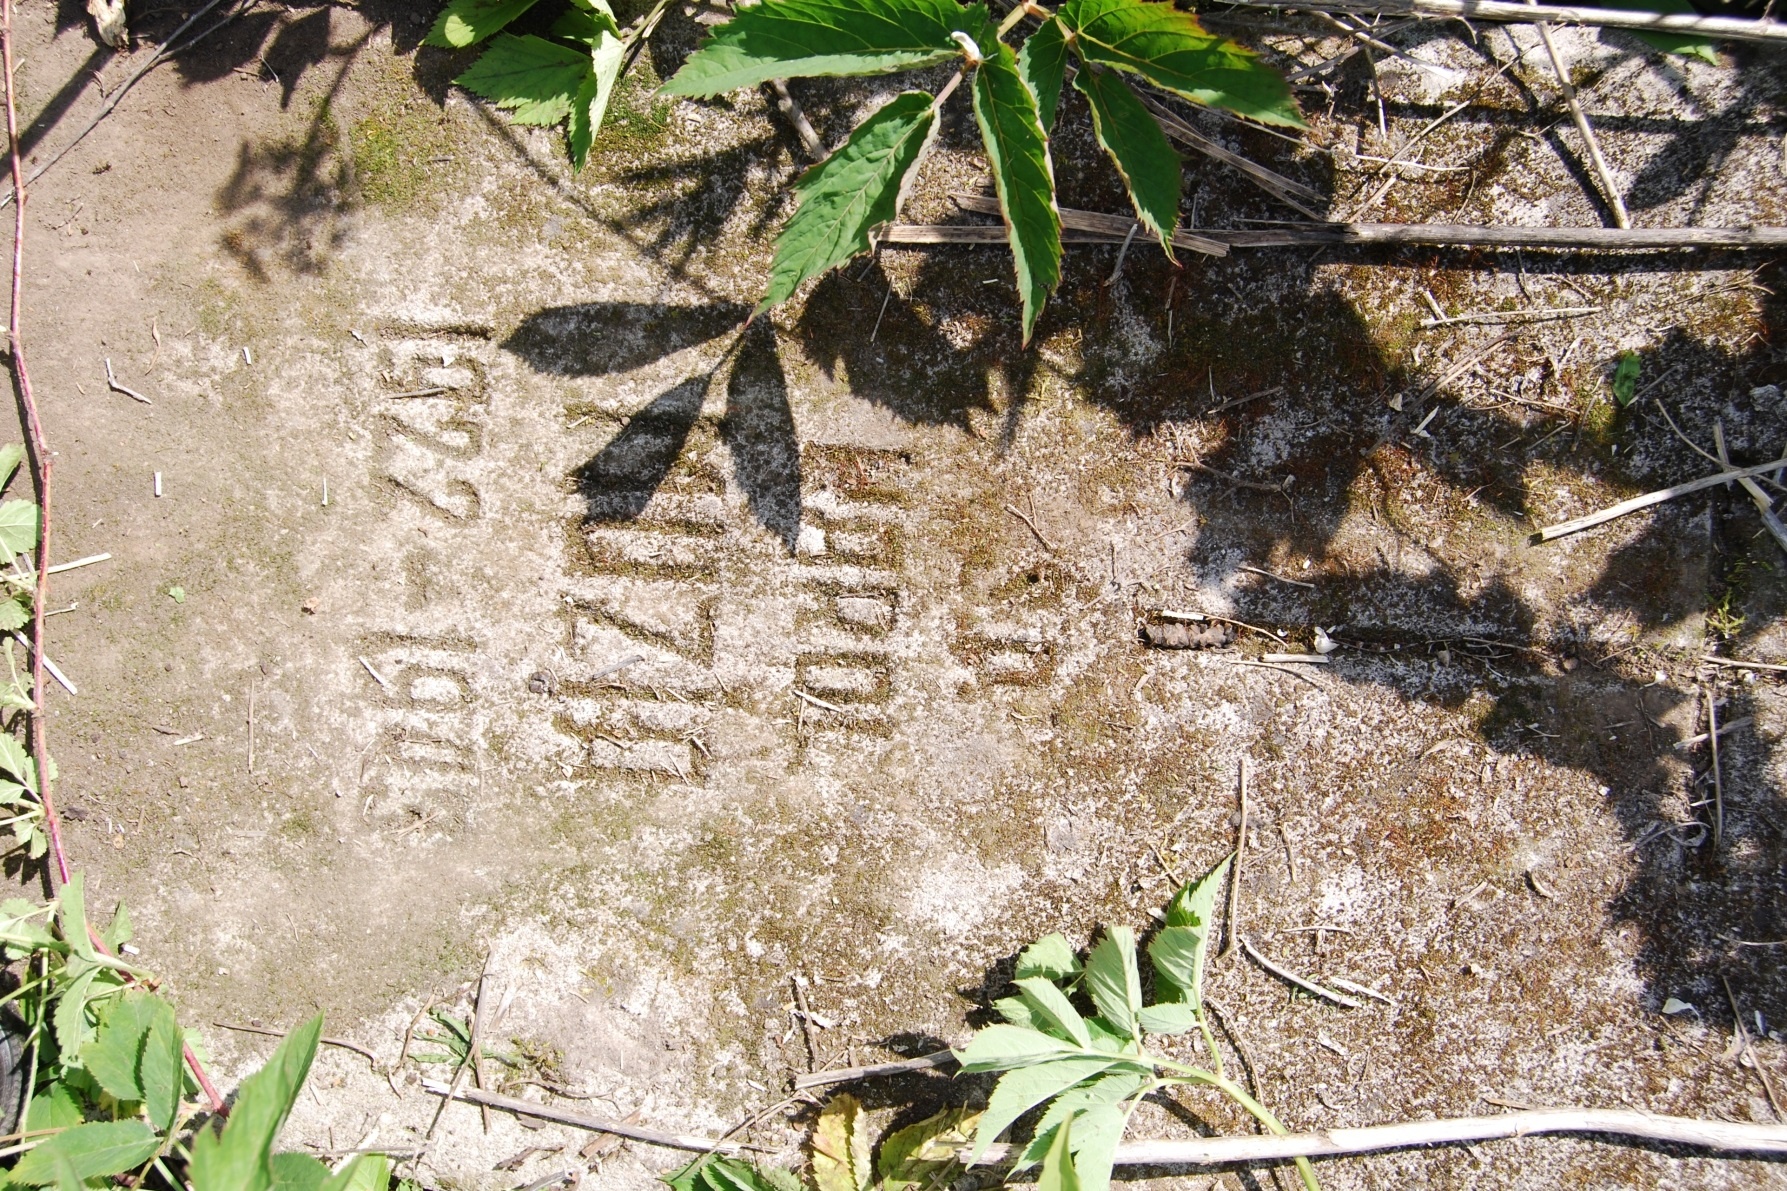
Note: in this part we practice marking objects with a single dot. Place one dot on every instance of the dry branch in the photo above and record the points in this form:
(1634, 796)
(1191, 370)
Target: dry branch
(1433, 235)
(851, 1074)
(1730, 28)
(1565, 528)
(548, 1112)
(1726, 1136)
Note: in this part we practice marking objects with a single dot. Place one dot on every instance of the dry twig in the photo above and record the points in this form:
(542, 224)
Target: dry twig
(548, 1112)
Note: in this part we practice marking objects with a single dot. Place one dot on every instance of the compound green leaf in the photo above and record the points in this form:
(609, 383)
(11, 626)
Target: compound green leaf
(846, 196)
(367, 1172)
(1114, 1087)
(1684, 44)
(731, 1174)
(1179, 950)
(239, 1159)
(19, 524)
(1003, 1047)
(1113, 979)
(1057, 1013)
(1058, 1173)
(162, 1072)
(115, 1055)
(533, 79)
(1018, 1012)
(785, 39)
(1017, 1092)
(297, 1172)
(11, 455)
(1043, 63)
(841, 1147)
(1137, 147)
(465, 22)
(90, 1151)
(1170, 49)
(1018, 152)
(1050, 957)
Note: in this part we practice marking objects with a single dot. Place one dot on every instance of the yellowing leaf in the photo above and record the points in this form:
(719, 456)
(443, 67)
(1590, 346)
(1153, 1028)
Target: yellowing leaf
(841, 1147)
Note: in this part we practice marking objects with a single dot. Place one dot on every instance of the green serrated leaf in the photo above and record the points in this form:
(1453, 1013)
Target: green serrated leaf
(1625, 377)
(114, 1057)
(1043, 63)
(1113, 980)
(533, 79)
(586, 24)
(19, 525)
(297, 1172)
(14, 614)
(120, 931)
(1175, 1018)
(1018, 152)
(466, 22)
(922, 1156)
(11, 455)
(367, 1172)
(239, 1159)
(841, 1147)
(1050, 957)
(1179, 950)
(1686, 45)
(1017, 1092)
(162, 1072)
(1096, 1132)
(1003, 1047)
(71, 911)
(785, 39)
(1138, 148)
(54, 1107)
(852, 192)
(1055, 1010)
(93, 1150)
(1017, 1011)
(608, 54)
(1114, 1087)
(14, 760)
(1171, 50)
(1058, 1173)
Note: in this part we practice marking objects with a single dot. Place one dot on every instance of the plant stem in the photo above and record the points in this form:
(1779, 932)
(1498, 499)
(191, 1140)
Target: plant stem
(1235, 1092)
(1209, 1040)
(949, 89)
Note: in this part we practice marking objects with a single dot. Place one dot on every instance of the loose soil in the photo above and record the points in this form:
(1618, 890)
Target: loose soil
(350, 720)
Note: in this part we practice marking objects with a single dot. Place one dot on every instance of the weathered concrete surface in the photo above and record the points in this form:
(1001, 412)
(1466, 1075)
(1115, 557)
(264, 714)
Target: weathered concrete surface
(879, 733)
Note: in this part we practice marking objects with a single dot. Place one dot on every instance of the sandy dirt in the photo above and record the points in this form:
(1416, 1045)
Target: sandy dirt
(445, 435)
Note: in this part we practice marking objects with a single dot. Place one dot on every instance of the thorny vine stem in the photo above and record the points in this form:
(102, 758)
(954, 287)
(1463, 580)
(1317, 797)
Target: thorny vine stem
(41, 464)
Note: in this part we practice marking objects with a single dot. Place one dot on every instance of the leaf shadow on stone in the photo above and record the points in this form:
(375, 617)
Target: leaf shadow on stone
(618, 483)
(603, 338)
(759, 432)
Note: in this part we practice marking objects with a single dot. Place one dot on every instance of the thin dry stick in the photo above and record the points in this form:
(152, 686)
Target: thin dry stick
(806, 1020)
(938, 1058)
(1726, 1136)
(477, 1043)
(1602, 173)
(1738, 664)
(111, 381)
(251, 698)
(1737, 1018)
(1712, 732)
(1613, 512)
(1234, 937)
(343, 1043)
(1764, 504)
(548, 1112)
(1306, 985)
(1514, 13)
(1492, 318)
(1031, 525)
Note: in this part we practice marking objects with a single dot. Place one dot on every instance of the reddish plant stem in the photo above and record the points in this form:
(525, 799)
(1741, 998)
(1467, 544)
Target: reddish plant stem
(41, 463)
(40, 457)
